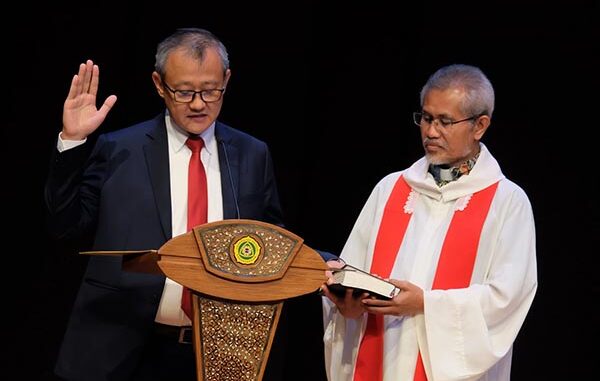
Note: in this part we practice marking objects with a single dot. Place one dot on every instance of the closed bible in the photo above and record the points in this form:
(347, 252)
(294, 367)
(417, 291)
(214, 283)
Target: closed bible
(361, 281)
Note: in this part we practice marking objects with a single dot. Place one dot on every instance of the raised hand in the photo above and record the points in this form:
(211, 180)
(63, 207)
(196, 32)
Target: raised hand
(80, 115)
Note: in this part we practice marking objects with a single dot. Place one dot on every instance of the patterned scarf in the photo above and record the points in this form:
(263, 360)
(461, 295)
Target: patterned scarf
(442, 174)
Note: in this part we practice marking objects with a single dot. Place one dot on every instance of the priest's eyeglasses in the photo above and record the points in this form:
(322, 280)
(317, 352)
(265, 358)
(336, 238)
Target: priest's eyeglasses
(187, 96)
(425, 119)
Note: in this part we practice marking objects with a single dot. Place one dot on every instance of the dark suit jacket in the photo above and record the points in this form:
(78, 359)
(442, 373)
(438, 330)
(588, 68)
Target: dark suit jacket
(122, 194)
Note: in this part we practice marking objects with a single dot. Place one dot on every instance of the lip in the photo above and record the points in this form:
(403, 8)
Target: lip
(198, 117)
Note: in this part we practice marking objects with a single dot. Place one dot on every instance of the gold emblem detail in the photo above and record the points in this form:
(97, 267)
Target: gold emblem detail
(246, 250)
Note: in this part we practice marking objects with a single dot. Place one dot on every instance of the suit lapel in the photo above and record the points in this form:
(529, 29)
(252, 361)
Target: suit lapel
(156, 152)
(229, 167)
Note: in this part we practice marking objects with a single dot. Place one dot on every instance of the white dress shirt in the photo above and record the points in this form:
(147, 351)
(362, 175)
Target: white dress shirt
(169, 310)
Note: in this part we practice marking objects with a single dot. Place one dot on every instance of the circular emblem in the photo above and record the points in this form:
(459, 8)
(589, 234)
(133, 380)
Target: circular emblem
(246, 250)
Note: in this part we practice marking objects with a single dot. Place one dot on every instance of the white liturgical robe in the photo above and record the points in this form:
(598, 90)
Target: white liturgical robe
(463, 334)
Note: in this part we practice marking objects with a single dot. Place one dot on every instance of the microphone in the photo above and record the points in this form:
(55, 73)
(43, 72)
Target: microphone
(237, 208)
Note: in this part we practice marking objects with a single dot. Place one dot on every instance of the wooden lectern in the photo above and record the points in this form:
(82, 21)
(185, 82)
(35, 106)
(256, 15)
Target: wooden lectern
(241, 272)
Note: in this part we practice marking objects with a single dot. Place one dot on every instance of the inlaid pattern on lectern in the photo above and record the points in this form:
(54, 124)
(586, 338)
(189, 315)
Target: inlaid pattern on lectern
(234, 338)
(275, 249)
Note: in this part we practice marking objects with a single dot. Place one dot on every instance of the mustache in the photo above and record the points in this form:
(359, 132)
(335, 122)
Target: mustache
(433, 141)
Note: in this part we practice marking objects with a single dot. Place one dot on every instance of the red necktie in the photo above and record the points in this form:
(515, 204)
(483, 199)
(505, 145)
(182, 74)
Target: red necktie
(197, 203)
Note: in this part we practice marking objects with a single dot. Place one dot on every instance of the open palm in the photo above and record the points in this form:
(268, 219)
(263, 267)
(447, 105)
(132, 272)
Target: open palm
(80, 115)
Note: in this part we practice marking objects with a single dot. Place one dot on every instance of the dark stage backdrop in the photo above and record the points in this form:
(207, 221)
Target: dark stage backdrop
(331, 89)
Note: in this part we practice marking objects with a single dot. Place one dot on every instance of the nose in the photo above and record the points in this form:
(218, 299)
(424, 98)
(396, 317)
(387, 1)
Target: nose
(197, 102)
(433, 129)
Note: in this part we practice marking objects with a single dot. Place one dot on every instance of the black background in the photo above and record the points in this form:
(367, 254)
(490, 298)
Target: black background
(330, 88)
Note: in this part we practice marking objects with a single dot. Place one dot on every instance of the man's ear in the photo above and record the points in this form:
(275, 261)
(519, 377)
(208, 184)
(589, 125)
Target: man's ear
(481, 126)
(227, 76)
(158, 84)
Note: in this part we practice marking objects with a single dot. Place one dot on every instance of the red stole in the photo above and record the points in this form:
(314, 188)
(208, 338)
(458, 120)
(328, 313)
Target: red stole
(454, 270)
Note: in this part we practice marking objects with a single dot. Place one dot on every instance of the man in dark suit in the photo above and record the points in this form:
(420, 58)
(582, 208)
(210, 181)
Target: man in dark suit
(131, 193)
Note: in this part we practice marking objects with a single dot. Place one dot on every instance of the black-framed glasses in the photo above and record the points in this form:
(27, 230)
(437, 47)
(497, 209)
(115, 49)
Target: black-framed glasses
(421, 118)
(187, 96)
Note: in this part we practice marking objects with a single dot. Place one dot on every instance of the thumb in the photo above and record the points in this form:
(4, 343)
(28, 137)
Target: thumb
(107, 105)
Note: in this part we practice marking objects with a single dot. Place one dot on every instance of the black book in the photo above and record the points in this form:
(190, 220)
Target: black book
(361, 281)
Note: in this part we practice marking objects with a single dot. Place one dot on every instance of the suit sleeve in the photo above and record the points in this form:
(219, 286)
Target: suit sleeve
(72, 189)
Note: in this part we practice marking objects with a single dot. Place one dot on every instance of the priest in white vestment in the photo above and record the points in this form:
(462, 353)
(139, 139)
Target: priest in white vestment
(463, 333)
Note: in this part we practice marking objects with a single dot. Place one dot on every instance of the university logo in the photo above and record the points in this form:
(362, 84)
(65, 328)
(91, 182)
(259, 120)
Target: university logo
(246, 250)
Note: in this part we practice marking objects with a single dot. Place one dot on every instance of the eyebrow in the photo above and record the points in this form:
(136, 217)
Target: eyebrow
(441, 116)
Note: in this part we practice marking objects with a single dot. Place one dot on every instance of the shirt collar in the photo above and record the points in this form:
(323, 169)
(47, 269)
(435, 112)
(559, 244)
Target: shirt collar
(178, 136)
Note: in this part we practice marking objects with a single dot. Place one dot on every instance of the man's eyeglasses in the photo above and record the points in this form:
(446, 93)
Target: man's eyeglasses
(423, 118)
(187, 96)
